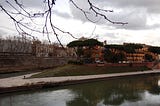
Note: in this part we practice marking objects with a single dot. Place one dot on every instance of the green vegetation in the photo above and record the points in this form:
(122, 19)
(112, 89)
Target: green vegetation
(128, 48)
(113, 57)
(88, 42)
(149, 57)
(78, 46)
(119, 55)
(154, 49)
(75, 62)
(75, 70)
(75, 44)
(118, 47)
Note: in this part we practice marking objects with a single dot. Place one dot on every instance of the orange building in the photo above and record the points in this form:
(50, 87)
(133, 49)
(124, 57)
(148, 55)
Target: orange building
(97, 53)
(139, 56)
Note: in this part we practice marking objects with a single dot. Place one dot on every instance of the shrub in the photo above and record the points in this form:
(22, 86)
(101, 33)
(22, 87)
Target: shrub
(75, 62)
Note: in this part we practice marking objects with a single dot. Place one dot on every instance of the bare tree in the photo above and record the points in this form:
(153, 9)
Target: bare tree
(16, 45)
(20, 13)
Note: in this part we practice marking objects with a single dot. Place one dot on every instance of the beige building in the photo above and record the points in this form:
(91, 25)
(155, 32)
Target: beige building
(51, 50)
(135, 57)
(139, 55)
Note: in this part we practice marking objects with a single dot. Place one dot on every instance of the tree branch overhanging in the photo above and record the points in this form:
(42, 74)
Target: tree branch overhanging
(97, 11)
(48, 26)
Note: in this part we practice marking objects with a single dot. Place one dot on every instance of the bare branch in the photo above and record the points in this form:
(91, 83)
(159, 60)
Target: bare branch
(98, 12)
(83, 11)
(93, 8)
(21, 14)
(51, 24)
(65, 32)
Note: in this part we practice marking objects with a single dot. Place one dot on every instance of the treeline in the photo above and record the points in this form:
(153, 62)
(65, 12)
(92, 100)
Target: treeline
(88, 42)
(114, 53)
(121, 50)
(113, 57)
(15, 45)
(154, 49)
(128, 48)
(131, 48)
(24, 45)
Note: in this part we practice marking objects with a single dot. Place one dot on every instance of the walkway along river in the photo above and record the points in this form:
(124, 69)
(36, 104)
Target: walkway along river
(19, 83)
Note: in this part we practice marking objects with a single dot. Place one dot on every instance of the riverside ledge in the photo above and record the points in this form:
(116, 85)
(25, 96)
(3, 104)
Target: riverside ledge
(18, 83)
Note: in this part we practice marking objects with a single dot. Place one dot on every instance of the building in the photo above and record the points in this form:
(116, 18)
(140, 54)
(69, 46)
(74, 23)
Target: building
(135, 57)
(51, 50)
(138, 53)
(97, 53)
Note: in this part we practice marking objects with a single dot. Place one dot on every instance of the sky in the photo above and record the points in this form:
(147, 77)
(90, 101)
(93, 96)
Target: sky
(142, 16)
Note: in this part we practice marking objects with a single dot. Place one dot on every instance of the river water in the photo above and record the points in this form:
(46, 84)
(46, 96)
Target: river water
(128, 91)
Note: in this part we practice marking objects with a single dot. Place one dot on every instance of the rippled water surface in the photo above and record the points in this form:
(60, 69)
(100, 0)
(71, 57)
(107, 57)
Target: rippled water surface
(128, 91)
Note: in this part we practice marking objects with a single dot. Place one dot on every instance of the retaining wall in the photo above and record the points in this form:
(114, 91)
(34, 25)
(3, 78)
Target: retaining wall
(148, 64)
(9, 64)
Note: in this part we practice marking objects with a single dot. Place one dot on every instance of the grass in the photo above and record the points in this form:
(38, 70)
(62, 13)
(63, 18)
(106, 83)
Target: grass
(75, 70)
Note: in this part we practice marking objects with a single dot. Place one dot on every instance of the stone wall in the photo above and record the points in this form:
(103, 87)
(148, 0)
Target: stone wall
(20, 63)
(148, 64)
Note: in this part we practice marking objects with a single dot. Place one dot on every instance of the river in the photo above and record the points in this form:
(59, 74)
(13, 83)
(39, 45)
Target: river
(127, 91)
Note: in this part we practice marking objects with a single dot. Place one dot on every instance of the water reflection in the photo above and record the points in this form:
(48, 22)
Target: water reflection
(47, 98)
(114, 92)
(159, 83)
(142, 91)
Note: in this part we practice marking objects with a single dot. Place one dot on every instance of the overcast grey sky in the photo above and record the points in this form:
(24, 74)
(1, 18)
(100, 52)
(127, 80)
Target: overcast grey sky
(143, 17)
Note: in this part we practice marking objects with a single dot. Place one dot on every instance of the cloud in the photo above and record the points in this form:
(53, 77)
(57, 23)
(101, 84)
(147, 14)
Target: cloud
(77, 14)
(137, 19)
(135, 12)
(148, 4)
(62, 14)
(25, 3)
(142, 15)
(2, 32)
(152, 6)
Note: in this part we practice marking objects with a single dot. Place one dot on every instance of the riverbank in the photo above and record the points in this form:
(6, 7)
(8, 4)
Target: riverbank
(91, 69)
(20, 84)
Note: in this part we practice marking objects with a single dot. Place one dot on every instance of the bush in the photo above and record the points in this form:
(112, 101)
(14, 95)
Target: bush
(75, 62)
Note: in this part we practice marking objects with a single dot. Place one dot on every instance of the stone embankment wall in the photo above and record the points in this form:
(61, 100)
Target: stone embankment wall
(148, 64)
(29, 62)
